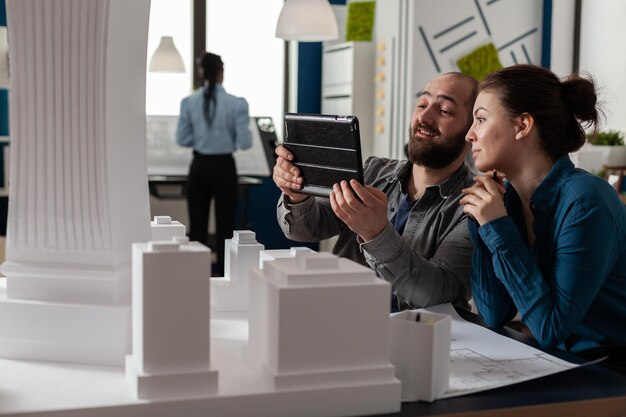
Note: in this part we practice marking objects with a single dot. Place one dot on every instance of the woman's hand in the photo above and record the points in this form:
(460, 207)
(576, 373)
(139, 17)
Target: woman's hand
(484, 200)
(286, 175)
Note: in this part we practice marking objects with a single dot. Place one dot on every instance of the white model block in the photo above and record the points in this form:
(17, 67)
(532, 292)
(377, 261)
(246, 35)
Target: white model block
(72, 333)
(230, 293)
(77, 198)
(317, 320)
(171, 316)
(164, 228)
(273, 254)
(420, 351)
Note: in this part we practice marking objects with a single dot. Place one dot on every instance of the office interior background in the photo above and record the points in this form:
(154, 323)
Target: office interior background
(277, 76)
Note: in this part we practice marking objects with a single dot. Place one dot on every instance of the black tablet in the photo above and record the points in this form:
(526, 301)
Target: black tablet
(326, 149)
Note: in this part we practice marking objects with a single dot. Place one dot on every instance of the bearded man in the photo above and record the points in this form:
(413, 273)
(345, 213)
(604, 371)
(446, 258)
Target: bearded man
(405, 221)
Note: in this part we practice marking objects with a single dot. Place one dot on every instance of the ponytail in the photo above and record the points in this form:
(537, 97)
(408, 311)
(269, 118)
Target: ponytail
(212, 67)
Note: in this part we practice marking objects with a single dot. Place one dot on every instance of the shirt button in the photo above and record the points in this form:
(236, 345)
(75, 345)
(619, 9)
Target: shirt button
(391, 209)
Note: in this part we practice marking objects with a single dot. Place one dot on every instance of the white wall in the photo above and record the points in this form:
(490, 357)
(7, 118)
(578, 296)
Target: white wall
(603, 55)
(562, 47)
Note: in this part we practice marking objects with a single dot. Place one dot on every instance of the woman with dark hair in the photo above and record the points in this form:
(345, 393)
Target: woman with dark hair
(550, 240)
(214, 123)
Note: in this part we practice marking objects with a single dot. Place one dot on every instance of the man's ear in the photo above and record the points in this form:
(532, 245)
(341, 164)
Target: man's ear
(524, 123)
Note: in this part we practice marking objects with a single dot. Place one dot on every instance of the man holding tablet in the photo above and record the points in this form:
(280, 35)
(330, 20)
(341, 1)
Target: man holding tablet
(404, 221)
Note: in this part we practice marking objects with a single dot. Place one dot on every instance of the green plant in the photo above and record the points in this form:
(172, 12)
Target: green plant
(607, 137)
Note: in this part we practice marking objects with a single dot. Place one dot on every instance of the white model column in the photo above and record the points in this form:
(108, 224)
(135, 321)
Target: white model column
(78, 195)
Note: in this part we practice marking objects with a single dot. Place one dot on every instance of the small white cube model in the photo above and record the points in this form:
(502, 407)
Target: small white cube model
(230, 292)
(164, 228)
(171, 316)
(318, 320)
(420, 351)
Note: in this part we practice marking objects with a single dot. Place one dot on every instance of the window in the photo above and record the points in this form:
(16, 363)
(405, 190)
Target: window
(242, 32)
(165, 91)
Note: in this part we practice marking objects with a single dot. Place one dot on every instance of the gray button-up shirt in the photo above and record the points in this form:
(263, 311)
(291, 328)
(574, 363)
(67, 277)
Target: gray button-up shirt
(429, 264)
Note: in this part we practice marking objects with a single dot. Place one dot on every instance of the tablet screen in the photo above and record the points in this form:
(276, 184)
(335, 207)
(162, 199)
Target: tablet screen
(326, 149)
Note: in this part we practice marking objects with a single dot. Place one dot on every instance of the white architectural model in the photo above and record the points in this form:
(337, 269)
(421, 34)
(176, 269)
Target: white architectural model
(171, 340)
(230, 293)
(164, 228)
(273, 254)
(319, 320)
(420, 352)
(78, 177)
(242, 252)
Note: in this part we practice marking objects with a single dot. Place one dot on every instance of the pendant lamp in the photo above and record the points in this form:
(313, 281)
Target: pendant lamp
(307, 21)
(166, 58)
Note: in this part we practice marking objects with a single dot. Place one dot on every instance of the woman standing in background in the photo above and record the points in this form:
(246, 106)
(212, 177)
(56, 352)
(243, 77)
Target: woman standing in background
(215, 124)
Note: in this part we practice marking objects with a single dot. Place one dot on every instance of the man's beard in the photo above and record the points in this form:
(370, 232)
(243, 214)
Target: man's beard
(434, 153)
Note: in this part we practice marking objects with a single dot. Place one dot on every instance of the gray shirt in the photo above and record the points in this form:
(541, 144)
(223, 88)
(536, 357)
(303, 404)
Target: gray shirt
(429, 264)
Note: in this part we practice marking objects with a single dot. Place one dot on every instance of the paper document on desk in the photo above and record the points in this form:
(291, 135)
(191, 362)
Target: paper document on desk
(481, 359)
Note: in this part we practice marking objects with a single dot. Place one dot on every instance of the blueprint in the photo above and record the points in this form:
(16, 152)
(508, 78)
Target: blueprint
(481, 359)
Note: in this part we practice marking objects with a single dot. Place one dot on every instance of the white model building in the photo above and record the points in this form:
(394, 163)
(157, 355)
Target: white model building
(230, 292)
(164, 228)
(273, 254)
(319, 320)
(171, 316)
(242, 252)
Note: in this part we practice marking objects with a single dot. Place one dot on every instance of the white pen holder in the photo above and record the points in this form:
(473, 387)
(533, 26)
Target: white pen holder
(420, 351)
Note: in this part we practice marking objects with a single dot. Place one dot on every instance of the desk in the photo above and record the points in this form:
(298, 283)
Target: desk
(593, 390)
(172, 187)
(55, 390)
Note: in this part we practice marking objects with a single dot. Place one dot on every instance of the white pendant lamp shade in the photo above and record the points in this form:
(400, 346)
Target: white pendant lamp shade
(166, 58)
(307, 21)
(4, 58)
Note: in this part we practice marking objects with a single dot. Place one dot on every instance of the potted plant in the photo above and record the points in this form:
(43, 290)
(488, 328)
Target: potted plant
(603, 149)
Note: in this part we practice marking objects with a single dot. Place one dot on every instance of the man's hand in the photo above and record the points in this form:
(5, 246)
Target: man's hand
(287, 175)
(365, 215)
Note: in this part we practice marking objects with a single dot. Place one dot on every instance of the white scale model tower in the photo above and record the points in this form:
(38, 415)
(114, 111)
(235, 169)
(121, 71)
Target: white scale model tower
(78, 194)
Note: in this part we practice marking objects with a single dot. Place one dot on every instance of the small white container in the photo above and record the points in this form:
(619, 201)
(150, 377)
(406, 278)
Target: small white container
(420, 351)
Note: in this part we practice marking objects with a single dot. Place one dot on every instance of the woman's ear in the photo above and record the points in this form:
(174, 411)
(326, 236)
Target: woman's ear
(524, 124)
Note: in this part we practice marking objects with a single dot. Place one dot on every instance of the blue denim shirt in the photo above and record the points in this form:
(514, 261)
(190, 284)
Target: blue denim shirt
(229, 129)
(570, 287)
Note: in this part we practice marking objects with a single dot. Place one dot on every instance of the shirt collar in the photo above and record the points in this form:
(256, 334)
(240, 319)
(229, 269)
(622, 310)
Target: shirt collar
(446, 188)
(218, 87)
(549, 186)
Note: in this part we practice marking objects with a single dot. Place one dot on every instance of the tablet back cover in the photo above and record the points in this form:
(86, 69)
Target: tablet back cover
(326, 148)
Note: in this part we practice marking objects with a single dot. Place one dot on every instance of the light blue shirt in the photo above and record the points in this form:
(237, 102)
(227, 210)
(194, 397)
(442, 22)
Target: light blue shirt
(570, 287)
(229, 129)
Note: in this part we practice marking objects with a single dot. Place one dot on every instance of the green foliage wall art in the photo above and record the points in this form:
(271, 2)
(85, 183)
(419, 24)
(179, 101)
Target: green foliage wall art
(360, 22)
(480, 62)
